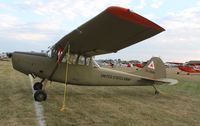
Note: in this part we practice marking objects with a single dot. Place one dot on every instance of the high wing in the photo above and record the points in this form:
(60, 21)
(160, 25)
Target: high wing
(113, 29)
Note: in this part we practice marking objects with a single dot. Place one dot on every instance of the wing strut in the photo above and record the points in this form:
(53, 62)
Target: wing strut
(66, 79)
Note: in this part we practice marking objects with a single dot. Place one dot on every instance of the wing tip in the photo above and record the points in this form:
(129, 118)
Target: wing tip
(129, 15)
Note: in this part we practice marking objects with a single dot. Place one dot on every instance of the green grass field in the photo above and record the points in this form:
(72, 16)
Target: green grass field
(16, 102)
(177, 105)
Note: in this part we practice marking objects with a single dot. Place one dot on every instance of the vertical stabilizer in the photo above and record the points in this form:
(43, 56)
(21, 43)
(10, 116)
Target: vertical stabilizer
(154, 69)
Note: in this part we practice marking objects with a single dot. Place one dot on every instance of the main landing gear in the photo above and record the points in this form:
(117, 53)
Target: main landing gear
(40, 94)
(37, 86)
(156, 91)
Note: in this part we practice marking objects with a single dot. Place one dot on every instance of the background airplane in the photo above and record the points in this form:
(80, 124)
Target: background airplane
(190, 67)
(4, 57)
(173, 64)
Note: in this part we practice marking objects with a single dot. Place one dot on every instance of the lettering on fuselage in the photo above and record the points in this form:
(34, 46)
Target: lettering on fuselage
(115, 77)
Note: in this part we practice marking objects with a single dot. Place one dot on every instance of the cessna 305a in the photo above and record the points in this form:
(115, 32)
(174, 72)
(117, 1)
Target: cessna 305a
(71, 59)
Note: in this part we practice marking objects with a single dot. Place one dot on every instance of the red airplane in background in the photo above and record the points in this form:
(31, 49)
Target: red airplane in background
(139, 65)
(190, 67)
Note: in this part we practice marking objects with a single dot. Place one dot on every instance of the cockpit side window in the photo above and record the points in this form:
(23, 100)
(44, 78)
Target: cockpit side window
(74, 58)
(81, 60)
(87, 61)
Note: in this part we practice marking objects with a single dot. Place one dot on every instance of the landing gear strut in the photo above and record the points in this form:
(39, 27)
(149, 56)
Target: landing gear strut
(156, 91)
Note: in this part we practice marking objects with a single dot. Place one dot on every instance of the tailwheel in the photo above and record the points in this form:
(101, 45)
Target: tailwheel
(37, 86)
(40, 95)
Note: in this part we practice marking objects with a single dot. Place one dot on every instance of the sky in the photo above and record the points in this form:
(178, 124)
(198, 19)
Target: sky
(34, 25)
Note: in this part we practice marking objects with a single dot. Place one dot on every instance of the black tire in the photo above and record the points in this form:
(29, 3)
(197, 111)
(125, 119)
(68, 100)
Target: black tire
(178, 73)
(37, 86)
(40, 96)
(188, 73)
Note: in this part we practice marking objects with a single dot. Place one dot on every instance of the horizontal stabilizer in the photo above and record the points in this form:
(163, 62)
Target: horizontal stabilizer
(168, 81)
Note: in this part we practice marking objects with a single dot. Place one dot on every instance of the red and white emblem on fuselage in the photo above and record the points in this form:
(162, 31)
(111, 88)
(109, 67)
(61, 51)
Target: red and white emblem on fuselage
(151, 65)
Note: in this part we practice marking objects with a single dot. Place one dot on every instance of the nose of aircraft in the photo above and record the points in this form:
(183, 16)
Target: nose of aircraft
(13, 56)
(17, 62)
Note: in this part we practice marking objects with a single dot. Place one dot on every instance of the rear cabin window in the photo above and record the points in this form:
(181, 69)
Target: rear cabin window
(81, 60)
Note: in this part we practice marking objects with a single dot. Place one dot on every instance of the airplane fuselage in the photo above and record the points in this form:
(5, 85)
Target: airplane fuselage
(85, 75)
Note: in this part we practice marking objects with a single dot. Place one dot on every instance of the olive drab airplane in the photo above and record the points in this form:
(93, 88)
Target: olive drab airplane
(71, 60)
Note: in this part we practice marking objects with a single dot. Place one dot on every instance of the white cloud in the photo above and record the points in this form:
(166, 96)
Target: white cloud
(29, 36)
(141, 5)
(52, 25)
(7, 21)
(156, 3)
(184, 25)
(180, 41)
(71, 10)
(150, 16)
(16, 29)
(2, 5)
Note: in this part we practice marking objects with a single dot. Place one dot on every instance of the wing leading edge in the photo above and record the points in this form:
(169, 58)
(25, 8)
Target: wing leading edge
(112, 30)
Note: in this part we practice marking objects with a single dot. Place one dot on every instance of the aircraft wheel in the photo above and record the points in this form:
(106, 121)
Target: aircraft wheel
(177, 73)
(136, 69)
(37, 86)
(40, 96)
(188, 73)
(157, 92)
